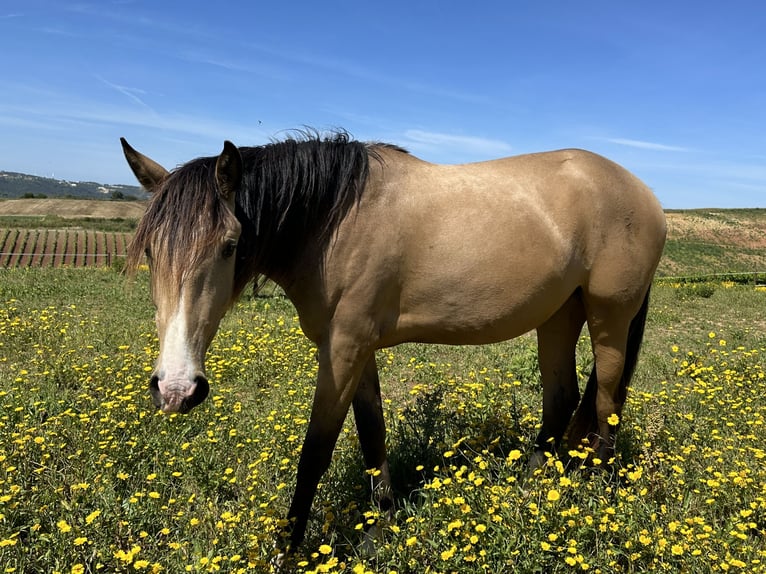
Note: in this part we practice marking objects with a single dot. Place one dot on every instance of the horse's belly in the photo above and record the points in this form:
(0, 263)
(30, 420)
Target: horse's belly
(473, 317)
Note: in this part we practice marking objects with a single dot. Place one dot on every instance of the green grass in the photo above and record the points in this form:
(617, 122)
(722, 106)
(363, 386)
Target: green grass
(701, 258)
(93, 480)
(116, 224)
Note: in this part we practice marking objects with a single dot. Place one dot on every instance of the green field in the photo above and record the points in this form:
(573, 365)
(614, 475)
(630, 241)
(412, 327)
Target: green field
(93, 480)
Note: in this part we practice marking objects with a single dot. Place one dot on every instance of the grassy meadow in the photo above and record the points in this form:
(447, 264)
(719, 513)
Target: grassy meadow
(92, 479)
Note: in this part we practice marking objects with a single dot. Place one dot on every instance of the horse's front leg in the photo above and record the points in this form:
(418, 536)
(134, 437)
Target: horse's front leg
(340, 367)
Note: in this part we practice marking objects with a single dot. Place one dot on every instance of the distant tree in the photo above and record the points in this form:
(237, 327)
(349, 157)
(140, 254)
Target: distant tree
(118, 195)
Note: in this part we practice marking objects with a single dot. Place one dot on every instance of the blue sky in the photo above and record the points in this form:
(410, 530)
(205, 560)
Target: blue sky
(674, 91)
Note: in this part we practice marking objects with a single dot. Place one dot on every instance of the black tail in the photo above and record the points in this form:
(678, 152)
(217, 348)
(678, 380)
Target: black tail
(635, 337)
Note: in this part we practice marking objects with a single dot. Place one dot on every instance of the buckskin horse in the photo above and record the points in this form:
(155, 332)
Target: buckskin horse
(376, 247)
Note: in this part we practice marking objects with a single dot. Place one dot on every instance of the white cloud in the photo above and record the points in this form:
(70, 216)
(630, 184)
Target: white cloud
(131, 93)
(646, 145)
(453, 145)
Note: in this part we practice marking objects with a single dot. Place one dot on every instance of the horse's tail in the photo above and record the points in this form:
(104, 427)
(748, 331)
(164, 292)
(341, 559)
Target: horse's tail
(635, 337)
(586, 414)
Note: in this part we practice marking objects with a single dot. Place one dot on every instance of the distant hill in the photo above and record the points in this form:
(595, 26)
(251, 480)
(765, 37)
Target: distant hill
(705, 241)
(16, 185)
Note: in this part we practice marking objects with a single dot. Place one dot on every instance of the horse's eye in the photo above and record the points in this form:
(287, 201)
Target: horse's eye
(229, 249)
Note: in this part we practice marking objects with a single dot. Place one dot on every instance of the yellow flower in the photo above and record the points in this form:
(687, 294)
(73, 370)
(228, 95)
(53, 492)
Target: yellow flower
(92, 516)
(63, 526)
(325, 549)
(513, 455)
(613, 419)
(80, 540)
(447, 554)
(553, 495)
(411, 541)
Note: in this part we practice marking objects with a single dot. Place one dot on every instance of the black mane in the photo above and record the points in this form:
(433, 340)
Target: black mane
(294, 191)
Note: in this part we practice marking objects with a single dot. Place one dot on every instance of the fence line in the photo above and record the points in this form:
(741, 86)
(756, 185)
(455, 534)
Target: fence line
(755, 275)
(76, 259)
(76, 253)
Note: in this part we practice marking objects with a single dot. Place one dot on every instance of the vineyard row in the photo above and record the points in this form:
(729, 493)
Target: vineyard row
(56, 247)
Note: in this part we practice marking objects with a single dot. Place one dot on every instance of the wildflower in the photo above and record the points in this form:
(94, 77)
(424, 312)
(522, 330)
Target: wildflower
(513, 455)
(447, 554)
(92, 516)
(613, 419)
(553, 495)
(63, 526)
(325, 549)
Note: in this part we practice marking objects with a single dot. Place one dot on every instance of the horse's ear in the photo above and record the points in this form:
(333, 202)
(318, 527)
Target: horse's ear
(147, 171)
(228, 172)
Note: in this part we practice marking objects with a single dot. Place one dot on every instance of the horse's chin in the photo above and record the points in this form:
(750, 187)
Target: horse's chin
(174, 403)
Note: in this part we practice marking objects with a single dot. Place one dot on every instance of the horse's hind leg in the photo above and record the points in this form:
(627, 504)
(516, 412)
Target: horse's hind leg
(556, 344)
(368, 413)
(606, 391)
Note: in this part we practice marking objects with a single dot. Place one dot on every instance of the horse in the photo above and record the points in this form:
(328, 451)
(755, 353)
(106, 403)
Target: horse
(375, 247)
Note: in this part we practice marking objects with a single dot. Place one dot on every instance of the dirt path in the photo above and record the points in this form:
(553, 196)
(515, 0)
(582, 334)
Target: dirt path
(70, 208)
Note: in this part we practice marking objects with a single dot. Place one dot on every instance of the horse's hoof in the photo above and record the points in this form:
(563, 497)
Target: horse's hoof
(278, 562)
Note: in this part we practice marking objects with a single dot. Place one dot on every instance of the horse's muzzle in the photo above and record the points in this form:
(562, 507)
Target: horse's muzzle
(177, 398)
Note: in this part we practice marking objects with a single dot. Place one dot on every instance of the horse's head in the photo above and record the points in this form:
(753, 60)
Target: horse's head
(189, 235)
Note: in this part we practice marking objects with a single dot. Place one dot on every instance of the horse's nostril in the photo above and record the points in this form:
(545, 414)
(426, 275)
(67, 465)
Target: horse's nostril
(201, 390)
(154, 391)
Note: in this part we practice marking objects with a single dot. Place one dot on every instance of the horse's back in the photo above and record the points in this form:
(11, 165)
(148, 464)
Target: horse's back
(569, 204)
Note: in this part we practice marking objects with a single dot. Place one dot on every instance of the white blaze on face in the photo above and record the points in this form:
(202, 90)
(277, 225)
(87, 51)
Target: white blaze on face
(176, 369)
